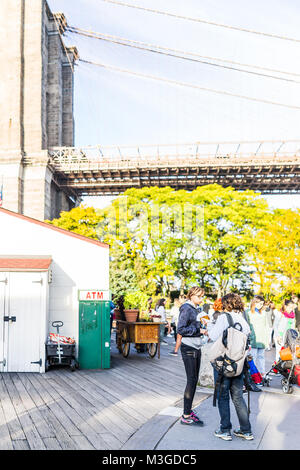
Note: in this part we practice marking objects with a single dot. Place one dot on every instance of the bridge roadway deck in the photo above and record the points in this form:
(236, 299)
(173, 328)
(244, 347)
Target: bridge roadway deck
(99, 409)
(264, 173)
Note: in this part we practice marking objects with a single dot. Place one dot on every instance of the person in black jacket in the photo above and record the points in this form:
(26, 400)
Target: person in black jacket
(189, 328)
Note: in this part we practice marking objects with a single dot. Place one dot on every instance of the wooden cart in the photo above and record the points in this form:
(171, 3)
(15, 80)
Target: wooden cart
(147, 333)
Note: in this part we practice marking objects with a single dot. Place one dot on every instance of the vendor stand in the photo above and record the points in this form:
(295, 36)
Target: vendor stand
(139, 333)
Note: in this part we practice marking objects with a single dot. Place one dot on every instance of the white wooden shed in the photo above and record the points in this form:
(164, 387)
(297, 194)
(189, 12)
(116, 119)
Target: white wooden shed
(42, 269)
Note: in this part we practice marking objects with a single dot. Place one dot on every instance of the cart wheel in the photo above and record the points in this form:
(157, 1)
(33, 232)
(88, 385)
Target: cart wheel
(266, 382)
(73, 365)
(125, 344)
(47, 365)
(152, 349)
(286, 387)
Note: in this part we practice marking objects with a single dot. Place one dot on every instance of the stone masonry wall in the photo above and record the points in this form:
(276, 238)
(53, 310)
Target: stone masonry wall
(36, 106)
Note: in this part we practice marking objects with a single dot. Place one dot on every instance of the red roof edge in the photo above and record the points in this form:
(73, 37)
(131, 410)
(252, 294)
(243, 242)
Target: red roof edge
(52, 227)
(24, 264)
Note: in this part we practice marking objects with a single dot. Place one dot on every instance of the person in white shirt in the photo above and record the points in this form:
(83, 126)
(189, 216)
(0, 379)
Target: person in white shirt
(161, 311)
(174, 313)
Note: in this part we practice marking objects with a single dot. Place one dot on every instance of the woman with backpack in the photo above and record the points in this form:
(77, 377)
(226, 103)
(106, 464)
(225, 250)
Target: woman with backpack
(189, 328)
(231, 386)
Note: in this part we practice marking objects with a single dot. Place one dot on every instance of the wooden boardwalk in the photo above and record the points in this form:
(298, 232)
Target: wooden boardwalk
(88, 409)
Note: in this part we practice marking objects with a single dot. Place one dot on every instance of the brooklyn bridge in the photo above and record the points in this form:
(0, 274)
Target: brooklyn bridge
(269, 167)
(43, 173)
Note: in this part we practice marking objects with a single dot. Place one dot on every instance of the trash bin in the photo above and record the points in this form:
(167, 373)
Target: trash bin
(94, 335)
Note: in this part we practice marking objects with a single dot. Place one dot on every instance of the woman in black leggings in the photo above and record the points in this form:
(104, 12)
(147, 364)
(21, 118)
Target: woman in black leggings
(189, 328)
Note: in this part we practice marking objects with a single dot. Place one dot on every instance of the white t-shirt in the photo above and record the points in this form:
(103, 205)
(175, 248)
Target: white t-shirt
(161, 311)
(174, 312)
(216, 329)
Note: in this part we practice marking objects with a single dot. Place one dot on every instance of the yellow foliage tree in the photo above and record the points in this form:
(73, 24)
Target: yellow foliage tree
(275, 254)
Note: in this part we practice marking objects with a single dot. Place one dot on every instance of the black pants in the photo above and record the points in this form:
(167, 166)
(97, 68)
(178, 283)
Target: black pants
(173, 325)
(191, 358)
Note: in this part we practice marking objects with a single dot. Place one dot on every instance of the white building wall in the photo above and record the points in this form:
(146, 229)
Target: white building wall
(77, 264)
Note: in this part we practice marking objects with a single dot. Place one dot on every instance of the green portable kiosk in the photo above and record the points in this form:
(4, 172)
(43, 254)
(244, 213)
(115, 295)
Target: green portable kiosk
(94, 330)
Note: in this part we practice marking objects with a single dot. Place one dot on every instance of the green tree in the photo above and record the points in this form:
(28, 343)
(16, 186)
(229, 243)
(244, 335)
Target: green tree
(162, 239)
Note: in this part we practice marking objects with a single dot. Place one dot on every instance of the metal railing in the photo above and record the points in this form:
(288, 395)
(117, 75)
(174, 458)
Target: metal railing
(199, 153)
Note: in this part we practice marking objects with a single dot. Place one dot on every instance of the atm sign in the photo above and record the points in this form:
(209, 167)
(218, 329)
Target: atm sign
(94, 295)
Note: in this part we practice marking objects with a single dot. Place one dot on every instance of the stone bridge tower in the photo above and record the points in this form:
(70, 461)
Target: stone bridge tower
(36, 106)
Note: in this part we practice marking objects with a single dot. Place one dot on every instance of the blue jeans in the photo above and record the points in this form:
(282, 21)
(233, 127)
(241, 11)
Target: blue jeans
(162, 333)
(232, 386)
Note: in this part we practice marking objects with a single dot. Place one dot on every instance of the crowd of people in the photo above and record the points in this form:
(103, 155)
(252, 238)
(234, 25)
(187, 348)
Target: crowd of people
(194, 323)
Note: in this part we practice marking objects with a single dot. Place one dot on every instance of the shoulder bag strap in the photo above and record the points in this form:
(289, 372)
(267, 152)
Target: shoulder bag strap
(229, 319)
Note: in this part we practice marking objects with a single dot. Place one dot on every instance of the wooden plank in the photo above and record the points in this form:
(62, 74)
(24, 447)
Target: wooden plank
(173, 380)
(113, 385)
(158, 390)
(145, 394)
(56, 417)
(41, 387)
(100, 401)
(126, 396)
(38, 420)
(111, 441)
(160, 387)
(66, 415)
(104, 441)
(82, 443)
(12, 420)
(103, 400)
(78, 415)
(65, 440)
(51, 443)
(30, 388)
(21, 444)
(166, 368)
(146, 381)
(5, 439)
(34, 439)
(170, 366)
(79, 410)
(111, 422)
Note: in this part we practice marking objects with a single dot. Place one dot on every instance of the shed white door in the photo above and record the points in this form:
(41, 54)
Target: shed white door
(23, 325)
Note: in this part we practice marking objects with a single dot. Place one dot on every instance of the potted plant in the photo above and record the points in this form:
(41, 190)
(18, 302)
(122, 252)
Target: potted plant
(134, 302)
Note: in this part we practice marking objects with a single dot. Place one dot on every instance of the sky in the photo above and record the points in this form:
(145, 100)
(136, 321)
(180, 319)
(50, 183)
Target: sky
(118, 109)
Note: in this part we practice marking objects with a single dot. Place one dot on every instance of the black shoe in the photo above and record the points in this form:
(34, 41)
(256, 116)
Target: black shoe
(253, 388)
(173, 353)
(191, 421)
